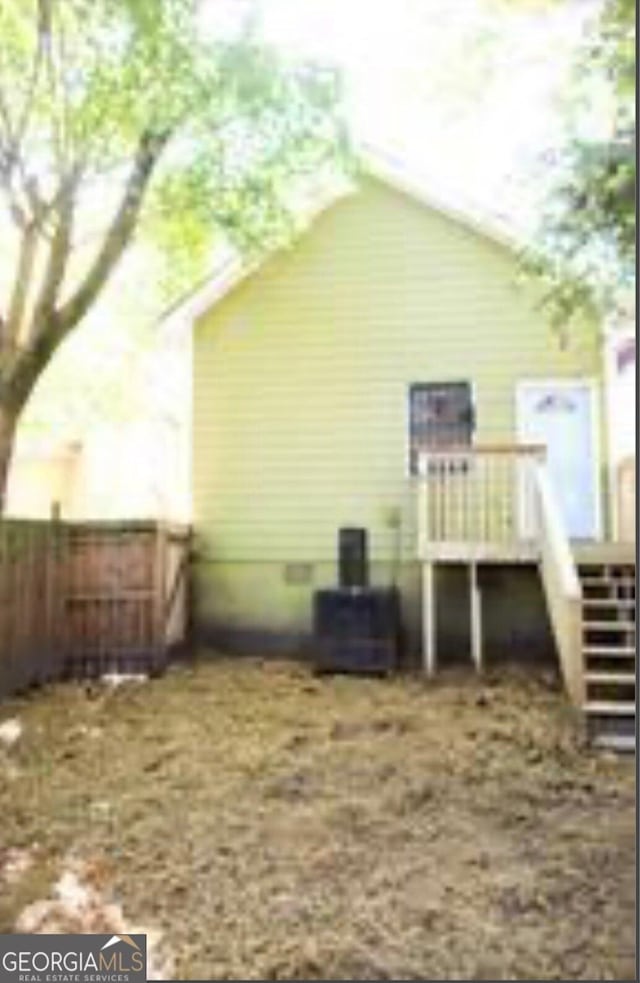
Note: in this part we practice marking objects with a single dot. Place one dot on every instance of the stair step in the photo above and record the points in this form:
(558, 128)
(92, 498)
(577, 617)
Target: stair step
(623, 743)
(611, 708)
(616, 651)
(604, 581)
(606, 592)
(611, 678)
(623, 626)
(609, 602)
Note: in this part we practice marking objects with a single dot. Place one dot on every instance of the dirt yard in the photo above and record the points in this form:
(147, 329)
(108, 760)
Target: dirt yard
(273, 825)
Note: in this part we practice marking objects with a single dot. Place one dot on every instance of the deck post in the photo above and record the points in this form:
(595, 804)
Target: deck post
(429, 618)
(475, 598)
(423, 505)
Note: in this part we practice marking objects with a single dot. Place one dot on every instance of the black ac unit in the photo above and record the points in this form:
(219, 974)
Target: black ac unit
(356, 627)
(356, 630)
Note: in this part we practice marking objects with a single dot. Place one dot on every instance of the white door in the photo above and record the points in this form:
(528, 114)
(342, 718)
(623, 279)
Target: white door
(561, 415)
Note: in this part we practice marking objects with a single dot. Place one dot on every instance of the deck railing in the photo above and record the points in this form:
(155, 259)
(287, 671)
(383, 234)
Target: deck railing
(496, 502)
(477, 502)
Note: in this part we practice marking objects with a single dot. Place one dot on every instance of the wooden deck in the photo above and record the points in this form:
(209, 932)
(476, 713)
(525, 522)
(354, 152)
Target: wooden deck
(604, 552)
(520, 551)
(527, 551)
(481, 505)
(496, 504)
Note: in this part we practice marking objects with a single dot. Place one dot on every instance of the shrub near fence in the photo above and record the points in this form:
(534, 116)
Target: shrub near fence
(81, 599)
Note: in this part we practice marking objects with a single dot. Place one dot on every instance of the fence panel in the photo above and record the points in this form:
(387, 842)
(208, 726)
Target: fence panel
(81, 599)
(30, 573)
(110, 596)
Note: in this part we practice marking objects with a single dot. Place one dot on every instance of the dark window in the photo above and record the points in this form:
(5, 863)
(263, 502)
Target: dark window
(440, 416)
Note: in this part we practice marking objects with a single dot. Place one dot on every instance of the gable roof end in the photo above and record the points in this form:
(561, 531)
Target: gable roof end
(377, 165)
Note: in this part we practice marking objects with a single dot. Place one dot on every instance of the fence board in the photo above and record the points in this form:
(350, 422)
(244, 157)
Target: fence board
(81, 599)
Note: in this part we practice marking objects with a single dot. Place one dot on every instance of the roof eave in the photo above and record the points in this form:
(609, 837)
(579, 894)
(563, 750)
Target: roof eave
(197, 302)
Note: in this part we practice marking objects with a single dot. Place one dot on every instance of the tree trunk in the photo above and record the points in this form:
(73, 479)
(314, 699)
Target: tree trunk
(49, 324)
(8, 422)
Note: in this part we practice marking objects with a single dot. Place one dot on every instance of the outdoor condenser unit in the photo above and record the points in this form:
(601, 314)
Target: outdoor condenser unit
(356, 627)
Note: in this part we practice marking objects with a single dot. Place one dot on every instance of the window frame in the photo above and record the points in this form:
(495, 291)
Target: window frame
(411, 387)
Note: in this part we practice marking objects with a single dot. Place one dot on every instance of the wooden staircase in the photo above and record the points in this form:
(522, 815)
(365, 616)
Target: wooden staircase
(609, 649)
(497, 504)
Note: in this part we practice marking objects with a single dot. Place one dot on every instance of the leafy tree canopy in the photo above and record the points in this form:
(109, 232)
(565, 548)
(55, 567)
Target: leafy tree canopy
(123, 116)
(586, 250)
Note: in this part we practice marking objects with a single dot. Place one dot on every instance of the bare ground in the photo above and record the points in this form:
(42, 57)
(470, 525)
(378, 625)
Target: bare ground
(278, 826)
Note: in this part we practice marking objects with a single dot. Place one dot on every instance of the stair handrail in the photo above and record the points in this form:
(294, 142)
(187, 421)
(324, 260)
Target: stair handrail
(549, 513)
(561, 583)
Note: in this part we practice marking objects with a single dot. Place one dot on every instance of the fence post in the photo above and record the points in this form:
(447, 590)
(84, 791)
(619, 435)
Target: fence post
(54, 600)
(159, 593)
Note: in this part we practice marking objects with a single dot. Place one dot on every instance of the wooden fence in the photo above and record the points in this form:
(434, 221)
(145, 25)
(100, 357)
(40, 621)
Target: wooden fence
(82, 599)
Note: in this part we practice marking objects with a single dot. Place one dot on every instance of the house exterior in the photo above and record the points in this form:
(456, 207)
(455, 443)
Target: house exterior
(392, 327)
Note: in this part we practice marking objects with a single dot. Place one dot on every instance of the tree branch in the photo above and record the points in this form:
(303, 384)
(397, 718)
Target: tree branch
(22, 191)
(13, 132)
(59, 250)
(5, 119)
(55, 325)
(21, 285)
(8, 164)
(42, 39)
(119, 234)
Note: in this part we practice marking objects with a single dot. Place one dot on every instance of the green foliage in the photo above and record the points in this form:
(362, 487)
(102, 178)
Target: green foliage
(586, 251)
(82, 82)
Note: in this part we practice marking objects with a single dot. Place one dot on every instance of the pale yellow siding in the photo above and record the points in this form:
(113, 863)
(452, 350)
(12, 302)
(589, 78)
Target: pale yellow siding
(300, 394)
